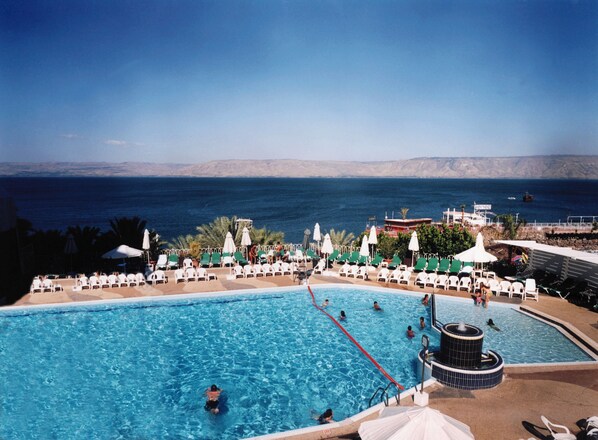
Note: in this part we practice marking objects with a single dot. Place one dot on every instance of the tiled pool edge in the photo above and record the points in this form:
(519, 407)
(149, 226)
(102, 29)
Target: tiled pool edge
(343, 427)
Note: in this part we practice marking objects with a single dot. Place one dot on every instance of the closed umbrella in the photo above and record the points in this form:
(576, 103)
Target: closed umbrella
(373, 238)
(414, 423)
(364, 251)
(146, 242)
(228, 248)
(413, 245)
(317, 235)
(245, 238)
(327, 249)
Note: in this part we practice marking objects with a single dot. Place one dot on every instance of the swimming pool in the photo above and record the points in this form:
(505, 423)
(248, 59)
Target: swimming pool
(138, 369)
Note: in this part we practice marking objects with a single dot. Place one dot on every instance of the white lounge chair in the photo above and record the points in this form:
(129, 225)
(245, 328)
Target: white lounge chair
(453, 282)
(421, 279)
(190, 274)
(277, 268)
(94, 282)
(478, 283)
(257, 270)
(162, 262)
(179, 276)
(47, 285)
(320, 266)
(353, 271)
(36, 286)
(494, 286)
(287, 268)
(248, 271)
(122, 280)
(464, 284)
(441, 281)
(505, 287)
(187, 263)
(160, 277)
(565, 435)
(405, 277)
(238, 271)
(113, 281)
(431, 280)
(344, 270)
(362, 272)
(131, 279)
(104, 282)
(395, 276)
(267, 269)
(140, 279)
(383, 275)
(531, 291)
(82, 282)
(517, 289)
(202, 274)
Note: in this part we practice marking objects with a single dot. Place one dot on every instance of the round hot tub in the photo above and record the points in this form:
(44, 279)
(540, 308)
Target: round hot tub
(461, 345)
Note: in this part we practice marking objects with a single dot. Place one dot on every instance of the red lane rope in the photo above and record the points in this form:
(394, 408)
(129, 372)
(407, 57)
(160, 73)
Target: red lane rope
(352, 339)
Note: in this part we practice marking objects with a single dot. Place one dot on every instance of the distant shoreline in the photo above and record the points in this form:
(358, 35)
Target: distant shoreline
(524, 167)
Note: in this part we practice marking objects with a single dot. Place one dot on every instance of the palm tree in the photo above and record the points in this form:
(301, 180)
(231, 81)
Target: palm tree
(511, 225)
(127, 231)
(183, 242)
(266, 236)
(404, 212)
(341, 238)
(213, 234)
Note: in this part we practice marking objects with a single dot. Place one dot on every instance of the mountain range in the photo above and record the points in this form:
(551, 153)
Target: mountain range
(524, 167)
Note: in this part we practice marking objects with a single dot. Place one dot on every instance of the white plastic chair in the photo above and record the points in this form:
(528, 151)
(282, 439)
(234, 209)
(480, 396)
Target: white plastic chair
(257, 270)
(320, 266)
(431, 280)
(353, 271)
(190, 274)
(421, 279)
(441, 281)
(202, 274)
(36, 286)
(248, 271)
(383, 275)
(344, 270)
(405, 277)
(287, 268)
(464, 284)
(140, 279)
(187, 263)
(132, 279)
(238, 272)
(531, 291)
(179, 276)
(267, 269)
(362, 272)
(566, 435)
(162, 262)
(505, 287)
(517, 289)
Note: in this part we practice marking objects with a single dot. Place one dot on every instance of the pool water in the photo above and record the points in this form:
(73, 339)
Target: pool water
(138, 369)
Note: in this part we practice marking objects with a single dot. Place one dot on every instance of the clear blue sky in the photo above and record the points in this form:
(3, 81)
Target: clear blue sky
(192, 81)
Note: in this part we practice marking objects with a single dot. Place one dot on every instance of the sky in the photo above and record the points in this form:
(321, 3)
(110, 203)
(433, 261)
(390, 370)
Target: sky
(192, 81)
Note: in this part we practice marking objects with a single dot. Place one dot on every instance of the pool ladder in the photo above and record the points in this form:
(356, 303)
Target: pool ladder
(384, 394)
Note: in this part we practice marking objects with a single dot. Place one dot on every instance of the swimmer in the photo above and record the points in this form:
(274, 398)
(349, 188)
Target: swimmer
(410, 332)
(377, 307)
(492, 325)
(342, 316)
(326, 417)
(426, 299)
(422, 323)
(213, 395)
(325, 303)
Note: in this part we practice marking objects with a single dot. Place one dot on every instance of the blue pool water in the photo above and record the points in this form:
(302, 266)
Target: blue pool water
(138, 370)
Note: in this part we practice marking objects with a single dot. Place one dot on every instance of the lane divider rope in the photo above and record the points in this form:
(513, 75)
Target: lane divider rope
(352, 339)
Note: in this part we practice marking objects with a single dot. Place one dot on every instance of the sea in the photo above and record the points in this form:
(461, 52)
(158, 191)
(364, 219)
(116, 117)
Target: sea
(176, 206)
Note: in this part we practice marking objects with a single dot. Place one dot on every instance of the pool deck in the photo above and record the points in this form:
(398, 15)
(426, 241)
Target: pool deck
(563, 393)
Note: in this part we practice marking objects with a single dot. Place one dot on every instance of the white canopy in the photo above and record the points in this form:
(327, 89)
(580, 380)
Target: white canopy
(146, 241)
(123, 251)
(414, 243)
(245, 238)
(476, 254)
(229, 244)
(373, 238)
(327, 245)
(364, 251)
(414, 423)
(317, 234)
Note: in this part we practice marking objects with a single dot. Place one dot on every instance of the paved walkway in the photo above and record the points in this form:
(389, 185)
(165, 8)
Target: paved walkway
(564, 394)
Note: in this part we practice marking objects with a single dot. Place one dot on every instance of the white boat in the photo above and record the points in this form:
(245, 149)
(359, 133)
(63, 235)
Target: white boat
(479, 217)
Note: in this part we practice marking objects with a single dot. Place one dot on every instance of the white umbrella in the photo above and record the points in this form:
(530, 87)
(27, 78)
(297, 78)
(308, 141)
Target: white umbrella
(123, 251)
(476, 254)
(245, 239)
(413, 245)
(364, 251)
(414, 423)
(146, 242)
(229, 244)
(317, 235)
(373, 238)
(327, 248)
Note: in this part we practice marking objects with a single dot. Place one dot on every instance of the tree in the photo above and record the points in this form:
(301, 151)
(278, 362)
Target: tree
(404, 212)
(125, 230)
(183, 242)
(511, 225)
(341, 238)
(445, 240)
(214, 233)
(266, 236)
(389, 246)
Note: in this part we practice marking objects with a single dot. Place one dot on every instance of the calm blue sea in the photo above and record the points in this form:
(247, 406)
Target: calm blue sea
(175, 206)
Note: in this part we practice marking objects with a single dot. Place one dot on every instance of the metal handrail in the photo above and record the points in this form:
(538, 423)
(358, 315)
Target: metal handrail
(384, 395)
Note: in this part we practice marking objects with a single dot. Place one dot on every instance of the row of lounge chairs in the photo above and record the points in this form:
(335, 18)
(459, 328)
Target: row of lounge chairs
(354, 271)
(444, 265)
(46, 285)
(192, 274)
(108, 281)
(263, 270)
(396, 276)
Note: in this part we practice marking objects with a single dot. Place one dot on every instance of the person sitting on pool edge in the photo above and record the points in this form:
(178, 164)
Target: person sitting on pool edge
(426, 299)
(325, 417)
(342, 316)
(410, 332)
(377, 307)
(213, 395)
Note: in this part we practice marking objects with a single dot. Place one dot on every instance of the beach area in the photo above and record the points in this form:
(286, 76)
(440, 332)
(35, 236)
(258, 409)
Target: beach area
(564, 394)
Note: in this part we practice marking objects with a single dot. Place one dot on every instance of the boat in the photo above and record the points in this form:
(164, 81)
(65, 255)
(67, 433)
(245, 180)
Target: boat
(481, 215)
(527, 197)
(512, 198)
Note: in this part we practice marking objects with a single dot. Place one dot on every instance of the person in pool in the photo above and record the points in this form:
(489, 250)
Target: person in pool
(377, 307)
(422, 323)
(326, 417)
(325, 303)
(213, 396)
(426, 299)
(342, 316)
(410, 332)
(492, 325)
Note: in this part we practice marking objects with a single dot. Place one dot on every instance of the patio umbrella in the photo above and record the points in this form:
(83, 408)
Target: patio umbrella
(364, 251)
(413, 245)
(317, 235)
(70, 248)
(245, 238)
(414, 423)
(476, 254)
(122, 252)
(327, 247)
(373, 238)
(229, 247)
(146, 242)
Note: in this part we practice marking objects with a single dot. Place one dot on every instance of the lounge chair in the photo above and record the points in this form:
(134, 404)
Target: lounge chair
(267, 269)
(334, 255)
(238, 271)
(517, 289)
(320, 267)
(227, 259)
(377, 260)
(505, 287)
(140, 279)
(431, 280)
(395, 262)
(104, 282)
(353, 271)
(344, 270)
(494, 286)
(239, 258)
(311, 255)
(420, 265)
(132, 279)
(343, 258)
(530, 291)
(173, 261)
(444, 265)
(453, 282)
(179, 276)
(421, 279)
(464, 284)
(187, 263)
(383, 275)
(122, 280)
(162, 262)
(216, 259)
(395, 276)
(113, 281)
(362, 272)
(257, 270)
(262, 257)
(206, 260)
(47, 285)
(354, 258)
(287, 268)
(432, 265)
(201, 273)
(94, 282)
(82, 282)
(552, 427)
(455, 267)
(277, 268)
(363, 260)
(36, 286)
(441, 281)
(405, 277)
(248, 271)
